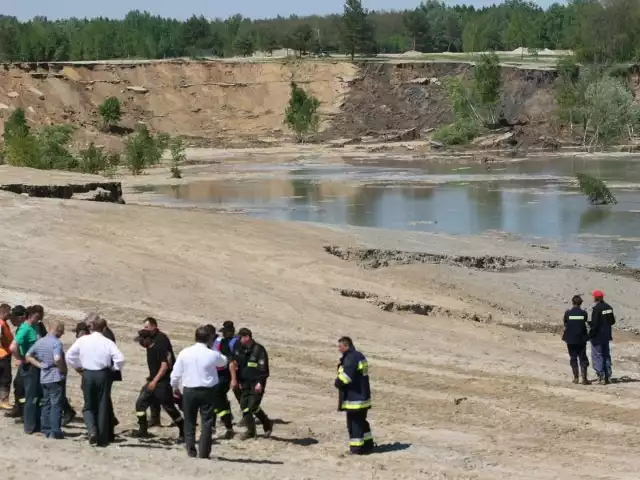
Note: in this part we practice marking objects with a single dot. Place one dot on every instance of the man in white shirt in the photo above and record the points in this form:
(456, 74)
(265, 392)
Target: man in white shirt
(96, 357)
(196, 369)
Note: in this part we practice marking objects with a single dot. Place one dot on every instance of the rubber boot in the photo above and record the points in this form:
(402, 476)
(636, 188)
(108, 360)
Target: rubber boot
(607, 380)
(250, 423)
(143, 428)
(154, 420)
(585, 380)
(180, 425)
(267, 424)
(227, 421)
(576, 373)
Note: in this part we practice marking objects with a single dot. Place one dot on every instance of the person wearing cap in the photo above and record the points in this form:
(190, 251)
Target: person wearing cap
(196, 372)
(17, 317)
(575, 335)
(600, 334)
(251, 363)
(160, 361)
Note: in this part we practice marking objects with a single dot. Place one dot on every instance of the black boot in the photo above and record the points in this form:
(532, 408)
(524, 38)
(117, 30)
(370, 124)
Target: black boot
(15, 412)
(607, 380)
(250, 423)
(585, 380)
(180, 425)
(154, 420)
(266, 422)
(576, 374)
(143, 428)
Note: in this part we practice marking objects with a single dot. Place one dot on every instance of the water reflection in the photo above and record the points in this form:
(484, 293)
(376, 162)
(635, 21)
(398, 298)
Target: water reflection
(537, 199)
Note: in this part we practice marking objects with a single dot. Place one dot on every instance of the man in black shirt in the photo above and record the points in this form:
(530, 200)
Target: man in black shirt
(160, 360)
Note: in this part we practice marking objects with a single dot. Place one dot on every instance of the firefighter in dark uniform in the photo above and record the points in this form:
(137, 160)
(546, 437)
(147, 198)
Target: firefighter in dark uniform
(575, 335)
(160, 360)
(226, 376)
(251, 363)
(602, 319)
(354, 396)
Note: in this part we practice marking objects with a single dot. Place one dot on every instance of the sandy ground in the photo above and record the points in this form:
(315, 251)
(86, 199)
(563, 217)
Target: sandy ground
(453, 398)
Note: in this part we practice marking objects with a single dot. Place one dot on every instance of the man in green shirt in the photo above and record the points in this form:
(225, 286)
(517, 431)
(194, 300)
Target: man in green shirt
(25, 338)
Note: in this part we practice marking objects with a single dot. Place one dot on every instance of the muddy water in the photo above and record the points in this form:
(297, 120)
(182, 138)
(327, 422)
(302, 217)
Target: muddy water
(535, 199)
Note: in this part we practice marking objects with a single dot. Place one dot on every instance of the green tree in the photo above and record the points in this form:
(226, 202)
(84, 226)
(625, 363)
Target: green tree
(301, 114)
(244, 44)
(110, 112)
(487, 80)
(95, 160)
(178, 156)
(595, 190)
(358, 35)
(143, 150)
(16, 126)
(301, 39)
(417, 25)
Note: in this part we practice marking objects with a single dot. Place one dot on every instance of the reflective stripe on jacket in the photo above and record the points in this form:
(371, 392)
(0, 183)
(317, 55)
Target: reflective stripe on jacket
(352, 382)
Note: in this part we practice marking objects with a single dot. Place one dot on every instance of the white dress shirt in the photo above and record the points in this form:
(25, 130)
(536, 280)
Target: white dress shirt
(196, 366)
(95, 352)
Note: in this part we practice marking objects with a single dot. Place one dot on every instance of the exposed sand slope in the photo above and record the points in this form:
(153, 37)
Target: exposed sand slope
(470, 400)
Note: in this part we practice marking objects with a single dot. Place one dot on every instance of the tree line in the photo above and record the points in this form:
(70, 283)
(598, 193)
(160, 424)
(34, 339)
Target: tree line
(598, 30)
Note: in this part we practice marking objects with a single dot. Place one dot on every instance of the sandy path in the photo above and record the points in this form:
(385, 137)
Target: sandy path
(453, 398)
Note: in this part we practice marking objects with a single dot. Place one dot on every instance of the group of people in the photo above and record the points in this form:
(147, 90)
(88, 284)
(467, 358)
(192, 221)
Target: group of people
(197, 381)
(579, 330)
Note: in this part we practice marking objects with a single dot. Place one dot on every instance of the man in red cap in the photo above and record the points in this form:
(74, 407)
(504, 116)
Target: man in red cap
(602, 319)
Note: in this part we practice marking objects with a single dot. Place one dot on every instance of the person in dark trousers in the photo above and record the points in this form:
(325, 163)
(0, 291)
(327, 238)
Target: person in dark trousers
(600, 334)
(48, 356)
(251, 363)
(160, 361)
(225, 376)
(6, 338)
(229, 337)
(17, 318)
(354, 396)
(151, 324)
(25, 338)
(196, 371)
(576, 336)
(96, 358)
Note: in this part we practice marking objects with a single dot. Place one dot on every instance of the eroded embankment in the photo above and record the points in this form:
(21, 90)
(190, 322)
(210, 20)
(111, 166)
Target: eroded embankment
(377, 258)
(232, 104)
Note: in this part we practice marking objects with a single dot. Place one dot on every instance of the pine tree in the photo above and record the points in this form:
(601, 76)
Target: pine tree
(358, 35)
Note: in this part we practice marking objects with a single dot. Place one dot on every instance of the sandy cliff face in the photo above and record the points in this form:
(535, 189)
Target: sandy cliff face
(238, 103)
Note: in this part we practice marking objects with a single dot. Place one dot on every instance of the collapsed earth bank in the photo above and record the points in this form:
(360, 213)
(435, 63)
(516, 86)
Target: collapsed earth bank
(225, 104)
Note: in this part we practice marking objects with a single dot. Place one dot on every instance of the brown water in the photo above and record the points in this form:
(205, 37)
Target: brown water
(536, 199)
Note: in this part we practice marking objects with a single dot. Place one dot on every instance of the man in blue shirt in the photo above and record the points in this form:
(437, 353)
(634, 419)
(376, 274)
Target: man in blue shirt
(47, 354)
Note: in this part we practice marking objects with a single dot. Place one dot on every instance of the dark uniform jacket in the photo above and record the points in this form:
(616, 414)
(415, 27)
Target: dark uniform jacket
(602, 319)
(575, 326)
(108, 333)
(253, 364)
(353, 382)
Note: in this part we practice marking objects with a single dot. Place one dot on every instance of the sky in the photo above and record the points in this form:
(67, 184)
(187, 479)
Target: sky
(25, 9)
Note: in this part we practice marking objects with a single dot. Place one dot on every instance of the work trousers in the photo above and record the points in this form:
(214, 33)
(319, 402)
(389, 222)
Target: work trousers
(52, 404)
(360, 438)
(162, 395)
(5, 378)
(578, 354)
(601, 359)
(221, 404)
(32, 397)
(98, 410)
(200, 400)
(250, 402)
